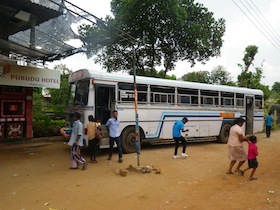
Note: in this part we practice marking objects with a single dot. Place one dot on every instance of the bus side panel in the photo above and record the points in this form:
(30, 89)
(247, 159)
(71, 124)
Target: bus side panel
(258, 122)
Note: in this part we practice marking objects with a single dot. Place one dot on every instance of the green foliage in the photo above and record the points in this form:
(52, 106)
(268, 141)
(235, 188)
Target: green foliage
(249, 56)
(59, 97)
(252, 79)
(47, 127)
(276, 87)
(43, 124)
(165, 31)
(197, 76)
(37, 103)
(155, 73)
(219, 76)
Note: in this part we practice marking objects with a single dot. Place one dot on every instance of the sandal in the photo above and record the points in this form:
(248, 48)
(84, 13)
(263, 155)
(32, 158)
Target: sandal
(230, 172)
(252, 178)
(93, 161)
(240, 172)
(74, 167)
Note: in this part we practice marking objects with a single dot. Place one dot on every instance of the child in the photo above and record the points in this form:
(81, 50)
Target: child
(252, 156)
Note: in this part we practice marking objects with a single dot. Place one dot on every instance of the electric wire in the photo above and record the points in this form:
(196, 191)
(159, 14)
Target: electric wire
(271, 27)
(263, 25)
(255, 25)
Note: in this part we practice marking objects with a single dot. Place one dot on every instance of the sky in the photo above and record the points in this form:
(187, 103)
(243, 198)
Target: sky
(240, 32)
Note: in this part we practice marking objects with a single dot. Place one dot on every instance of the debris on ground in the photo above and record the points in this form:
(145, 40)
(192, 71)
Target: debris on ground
(144, 169)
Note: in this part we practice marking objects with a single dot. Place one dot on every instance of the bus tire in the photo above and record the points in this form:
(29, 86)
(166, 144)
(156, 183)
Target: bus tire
(128, 140)
(224, 133)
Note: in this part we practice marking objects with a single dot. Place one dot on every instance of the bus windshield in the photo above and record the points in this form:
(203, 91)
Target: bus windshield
(78, 94)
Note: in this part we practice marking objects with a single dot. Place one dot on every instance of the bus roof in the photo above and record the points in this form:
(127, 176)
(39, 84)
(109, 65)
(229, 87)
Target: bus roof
(104, 76)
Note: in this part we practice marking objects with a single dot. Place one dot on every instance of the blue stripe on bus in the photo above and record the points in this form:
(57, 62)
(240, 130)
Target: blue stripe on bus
(176, 114)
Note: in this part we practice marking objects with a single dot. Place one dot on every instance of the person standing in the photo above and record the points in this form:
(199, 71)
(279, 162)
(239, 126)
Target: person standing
(176, 133)
(92, 140)
(112, 126)
(268, 124)
(236, 150)
(252, 157)
(76, 141)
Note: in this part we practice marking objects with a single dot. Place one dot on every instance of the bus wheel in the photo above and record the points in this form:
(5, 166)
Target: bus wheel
(224, 134)
(128, 140)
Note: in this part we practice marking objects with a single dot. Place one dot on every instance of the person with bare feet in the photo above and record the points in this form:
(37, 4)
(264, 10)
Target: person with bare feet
(252, 157)
(236, 150)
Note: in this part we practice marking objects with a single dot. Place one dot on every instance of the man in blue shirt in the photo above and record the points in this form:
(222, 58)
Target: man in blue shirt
(114, 134)
(176, 132)
(268, 124)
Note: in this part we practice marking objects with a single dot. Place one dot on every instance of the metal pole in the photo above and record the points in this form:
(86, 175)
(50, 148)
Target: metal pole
(137, 134)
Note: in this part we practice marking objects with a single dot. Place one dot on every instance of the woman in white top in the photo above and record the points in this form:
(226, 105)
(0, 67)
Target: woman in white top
(236, 150)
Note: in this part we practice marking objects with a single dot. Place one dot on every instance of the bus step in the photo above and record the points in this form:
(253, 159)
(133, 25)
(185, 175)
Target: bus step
(189, 139)
(201, 139)
(162, 141)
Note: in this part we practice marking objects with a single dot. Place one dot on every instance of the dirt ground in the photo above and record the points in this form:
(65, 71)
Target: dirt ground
(39, 178)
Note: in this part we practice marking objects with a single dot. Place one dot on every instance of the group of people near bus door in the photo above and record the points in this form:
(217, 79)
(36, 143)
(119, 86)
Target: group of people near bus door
(95, 135)
(236, 151)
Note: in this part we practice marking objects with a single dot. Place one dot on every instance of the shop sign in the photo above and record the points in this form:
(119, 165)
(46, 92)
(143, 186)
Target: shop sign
(28, 76)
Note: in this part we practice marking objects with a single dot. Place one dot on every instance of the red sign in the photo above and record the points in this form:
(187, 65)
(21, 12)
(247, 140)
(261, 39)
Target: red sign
(13, 107)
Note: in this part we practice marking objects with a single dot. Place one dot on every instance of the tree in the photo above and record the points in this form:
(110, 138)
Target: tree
(37, 103)
(219, 76)
(165, 31)
(59, 97)
(158, 74)
(276, 87)
(197, 76)
(252, 79)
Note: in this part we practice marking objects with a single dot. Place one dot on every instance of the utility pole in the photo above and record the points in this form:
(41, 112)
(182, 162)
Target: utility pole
(137, 134)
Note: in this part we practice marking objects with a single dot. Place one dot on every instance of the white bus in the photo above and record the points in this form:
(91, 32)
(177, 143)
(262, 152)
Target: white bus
(210, 109)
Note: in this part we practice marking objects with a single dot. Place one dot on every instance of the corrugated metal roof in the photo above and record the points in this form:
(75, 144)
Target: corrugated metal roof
(52, 30)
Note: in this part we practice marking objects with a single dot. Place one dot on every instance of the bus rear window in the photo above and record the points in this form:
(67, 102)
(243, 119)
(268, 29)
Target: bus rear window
(81, 94)
(71, 95)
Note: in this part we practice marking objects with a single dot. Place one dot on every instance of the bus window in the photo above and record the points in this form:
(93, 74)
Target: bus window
(161, 94)
(209, 97)
(81, 95)
(71, 95)
(126, 92)
(208, 101)
(182, 99)
(171, 99)
(239, 100)
(258, 102)
(194, 100)
(126, 96)
(142, 97)
(227, 99)
(187, 96)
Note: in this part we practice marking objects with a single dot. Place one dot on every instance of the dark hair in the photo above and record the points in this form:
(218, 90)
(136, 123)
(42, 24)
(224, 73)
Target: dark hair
(270, 112)
(185, 118)
(90, 118)
(78, 115)
(115, 111)
(253, 139)
(239, 120)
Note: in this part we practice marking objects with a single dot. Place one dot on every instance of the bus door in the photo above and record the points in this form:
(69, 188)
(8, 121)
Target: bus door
(104, 102)
(249, 114)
